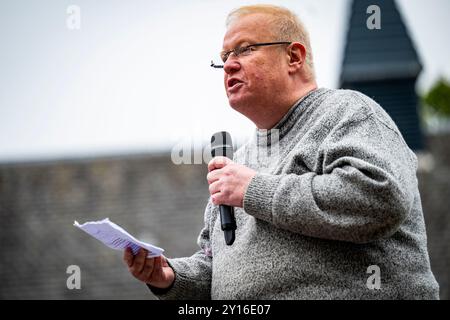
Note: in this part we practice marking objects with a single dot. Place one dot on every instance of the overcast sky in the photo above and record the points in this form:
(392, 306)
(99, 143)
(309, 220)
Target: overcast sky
(136, 78)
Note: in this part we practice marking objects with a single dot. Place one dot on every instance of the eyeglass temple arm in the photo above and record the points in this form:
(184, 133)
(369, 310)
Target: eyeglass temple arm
(217, 66)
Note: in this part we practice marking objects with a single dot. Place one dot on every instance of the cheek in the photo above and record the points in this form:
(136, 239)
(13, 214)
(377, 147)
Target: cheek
(261, 80)
(256, 75)
(264, 74)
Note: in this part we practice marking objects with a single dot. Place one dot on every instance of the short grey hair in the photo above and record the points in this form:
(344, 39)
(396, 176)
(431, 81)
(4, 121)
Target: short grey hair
(286, 26)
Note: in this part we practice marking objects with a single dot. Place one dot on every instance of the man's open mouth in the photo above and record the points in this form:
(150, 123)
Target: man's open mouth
(232, 82)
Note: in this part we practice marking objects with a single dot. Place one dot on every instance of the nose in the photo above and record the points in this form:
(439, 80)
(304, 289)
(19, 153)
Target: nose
(232, 65)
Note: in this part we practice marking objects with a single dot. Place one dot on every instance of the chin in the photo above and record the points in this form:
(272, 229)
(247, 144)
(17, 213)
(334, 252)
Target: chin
(241, 107)
(238, 102)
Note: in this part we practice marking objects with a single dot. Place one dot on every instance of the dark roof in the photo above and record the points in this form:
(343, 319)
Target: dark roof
(378, 54)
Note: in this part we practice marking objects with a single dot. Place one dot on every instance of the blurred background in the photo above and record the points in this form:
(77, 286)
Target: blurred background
(97, 98)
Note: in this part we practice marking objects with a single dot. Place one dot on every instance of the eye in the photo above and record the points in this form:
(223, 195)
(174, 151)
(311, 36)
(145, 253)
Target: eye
(224, 56)
(244, 50)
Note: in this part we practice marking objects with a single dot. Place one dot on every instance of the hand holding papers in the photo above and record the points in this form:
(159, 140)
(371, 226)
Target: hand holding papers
(116, 238)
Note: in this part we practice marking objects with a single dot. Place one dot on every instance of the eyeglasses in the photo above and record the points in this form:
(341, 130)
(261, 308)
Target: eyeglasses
(244, 51)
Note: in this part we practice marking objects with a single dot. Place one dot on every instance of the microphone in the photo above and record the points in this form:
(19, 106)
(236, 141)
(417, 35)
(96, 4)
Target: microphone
(221, 145)
(217, 66)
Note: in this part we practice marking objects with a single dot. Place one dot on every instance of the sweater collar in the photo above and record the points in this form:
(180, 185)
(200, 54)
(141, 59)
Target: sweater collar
(264, 137)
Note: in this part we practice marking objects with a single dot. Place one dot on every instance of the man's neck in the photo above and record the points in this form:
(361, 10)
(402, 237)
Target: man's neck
(279, 112)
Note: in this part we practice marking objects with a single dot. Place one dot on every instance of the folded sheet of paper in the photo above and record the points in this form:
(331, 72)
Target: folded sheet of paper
(116, 237)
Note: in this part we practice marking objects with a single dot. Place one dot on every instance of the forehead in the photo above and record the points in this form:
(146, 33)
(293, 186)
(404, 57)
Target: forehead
(252, 28)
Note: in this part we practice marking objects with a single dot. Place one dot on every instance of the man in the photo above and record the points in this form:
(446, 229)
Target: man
(332, 196)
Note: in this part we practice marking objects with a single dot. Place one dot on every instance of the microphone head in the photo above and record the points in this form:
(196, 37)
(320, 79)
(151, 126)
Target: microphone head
(221, 145)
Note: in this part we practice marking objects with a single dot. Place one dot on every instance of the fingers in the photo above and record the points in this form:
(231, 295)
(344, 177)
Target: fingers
(149, 269)
(213, 176)
(219, 199)
(141, 267)
(157, 267)
(139, 260)
(128, 257)
(214, 188)
(218, 163)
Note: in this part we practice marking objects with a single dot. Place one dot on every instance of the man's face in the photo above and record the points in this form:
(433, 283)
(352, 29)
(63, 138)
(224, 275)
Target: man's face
(253, 81)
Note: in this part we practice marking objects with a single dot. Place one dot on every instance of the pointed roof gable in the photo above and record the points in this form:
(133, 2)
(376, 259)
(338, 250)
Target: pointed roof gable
(386, 53)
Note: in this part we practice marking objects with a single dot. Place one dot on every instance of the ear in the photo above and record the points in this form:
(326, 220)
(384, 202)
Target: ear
(297, 56)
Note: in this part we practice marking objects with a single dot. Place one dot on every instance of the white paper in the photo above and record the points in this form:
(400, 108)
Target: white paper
(116, 237)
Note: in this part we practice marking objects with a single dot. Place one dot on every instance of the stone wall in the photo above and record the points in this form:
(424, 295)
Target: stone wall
(150, 197)
(434, 184)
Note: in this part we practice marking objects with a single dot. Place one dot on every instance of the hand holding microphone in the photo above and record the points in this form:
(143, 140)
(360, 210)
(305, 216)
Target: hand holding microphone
(228, 182)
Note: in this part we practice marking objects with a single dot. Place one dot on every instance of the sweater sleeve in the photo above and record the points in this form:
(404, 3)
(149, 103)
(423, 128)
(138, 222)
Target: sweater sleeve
(192, 274)
(361, 190)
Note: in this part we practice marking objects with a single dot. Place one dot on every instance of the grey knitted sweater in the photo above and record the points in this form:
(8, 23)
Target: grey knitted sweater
(335, 193)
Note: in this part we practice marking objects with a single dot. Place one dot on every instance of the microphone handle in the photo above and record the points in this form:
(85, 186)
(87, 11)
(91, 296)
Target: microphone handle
(228, 223)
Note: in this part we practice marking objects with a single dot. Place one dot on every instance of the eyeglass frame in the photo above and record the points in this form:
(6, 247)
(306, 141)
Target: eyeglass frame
(239, 50)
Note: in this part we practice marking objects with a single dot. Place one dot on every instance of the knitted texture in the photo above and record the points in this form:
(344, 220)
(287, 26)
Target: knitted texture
(336, 193)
